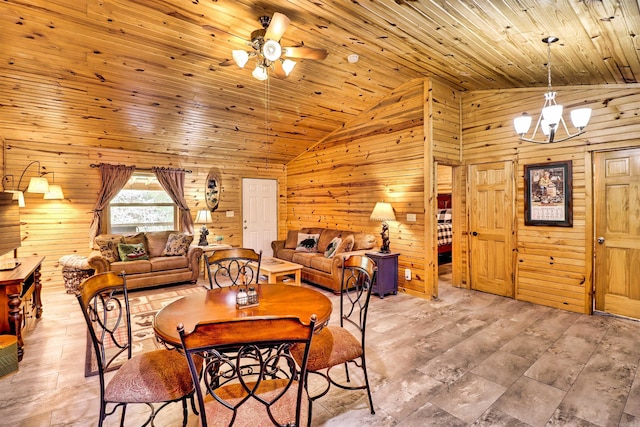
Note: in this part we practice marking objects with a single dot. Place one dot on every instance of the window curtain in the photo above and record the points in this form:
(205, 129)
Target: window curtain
(114, 177)
(172, 180)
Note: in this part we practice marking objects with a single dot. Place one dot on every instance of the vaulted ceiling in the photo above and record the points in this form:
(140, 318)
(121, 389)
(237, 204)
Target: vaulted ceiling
(146, 74)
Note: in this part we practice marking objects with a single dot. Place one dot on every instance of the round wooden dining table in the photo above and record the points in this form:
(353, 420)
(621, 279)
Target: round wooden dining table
(219, 305)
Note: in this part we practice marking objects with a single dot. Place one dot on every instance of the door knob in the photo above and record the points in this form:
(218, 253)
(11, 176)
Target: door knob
(601, 240)
(475, 233)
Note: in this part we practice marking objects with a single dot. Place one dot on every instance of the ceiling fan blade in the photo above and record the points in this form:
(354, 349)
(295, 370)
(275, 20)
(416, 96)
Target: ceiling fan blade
(277, 27)
(304, 52)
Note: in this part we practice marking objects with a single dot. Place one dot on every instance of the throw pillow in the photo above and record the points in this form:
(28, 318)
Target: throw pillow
(177, 244)
(132, 251)
(108, 246)
(332, 247)
(307, 242)
(444, 215)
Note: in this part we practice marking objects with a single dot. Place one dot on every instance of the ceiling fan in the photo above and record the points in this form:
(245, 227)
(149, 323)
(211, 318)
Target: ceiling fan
(268, 51)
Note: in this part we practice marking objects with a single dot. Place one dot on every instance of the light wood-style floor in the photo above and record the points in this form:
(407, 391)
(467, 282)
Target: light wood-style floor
(468, 358)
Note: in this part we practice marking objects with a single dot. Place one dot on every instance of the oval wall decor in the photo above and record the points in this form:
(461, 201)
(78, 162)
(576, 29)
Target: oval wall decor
(212, 189)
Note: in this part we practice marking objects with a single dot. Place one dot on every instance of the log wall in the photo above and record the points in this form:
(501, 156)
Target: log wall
(385, 154)
(553, 264)
(53, 228)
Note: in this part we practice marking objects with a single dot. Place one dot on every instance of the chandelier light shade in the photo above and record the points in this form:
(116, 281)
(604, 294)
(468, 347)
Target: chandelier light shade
(383, 212)
(38, 184)
(550, 119)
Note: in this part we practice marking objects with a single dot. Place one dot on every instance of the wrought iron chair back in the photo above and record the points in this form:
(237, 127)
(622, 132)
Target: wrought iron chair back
(358, 276)
(249, 373)
(104, 301)
(234, 266)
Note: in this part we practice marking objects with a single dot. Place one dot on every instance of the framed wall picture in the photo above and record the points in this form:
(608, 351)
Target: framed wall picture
(547, 194)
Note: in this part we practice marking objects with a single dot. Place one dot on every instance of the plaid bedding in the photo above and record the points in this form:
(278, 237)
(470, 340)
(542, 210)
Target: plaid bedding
(444, 233)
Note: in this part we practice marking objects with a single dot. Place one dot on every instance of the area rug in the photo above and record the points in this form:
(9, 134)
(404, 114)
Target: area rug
(144, 305)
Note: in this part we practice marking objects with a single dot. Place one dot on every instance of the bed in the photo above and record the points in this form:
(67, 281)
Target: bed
(444, 226)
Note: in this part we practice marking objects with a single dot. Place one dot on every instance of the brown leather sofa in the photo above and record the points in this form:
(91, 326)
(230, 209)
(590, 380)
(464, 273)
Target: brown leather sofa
(317, 267)
(177, 263)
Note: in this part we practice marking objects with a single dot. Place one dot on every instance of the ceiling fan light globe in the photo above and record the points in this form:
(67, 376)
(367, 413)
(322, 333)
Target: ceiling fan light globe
(240, 57)
(580, 117)
(287, 66)
(260, 73)
(522, 124)
(271, 50)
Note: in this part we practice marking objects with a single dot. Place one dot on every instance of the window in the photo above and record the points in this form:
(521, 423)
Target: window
(142, 205)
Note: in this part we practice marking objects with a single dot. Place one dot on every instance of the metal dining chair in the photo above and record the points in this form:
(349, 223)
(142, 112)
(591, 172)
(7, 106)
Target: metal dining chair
(250, 377)
(160, 376)
(233, 266)
(337, 345)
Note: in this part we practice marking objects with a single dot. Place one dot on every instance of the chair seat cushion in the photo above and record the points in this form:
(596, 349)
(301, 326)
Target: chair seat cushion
(253, 413)
(156, 376)
(332, 346)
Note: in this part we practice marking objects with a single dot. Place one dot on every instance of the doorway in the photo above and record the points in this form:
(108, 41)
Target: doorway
(444, 223)
(259, 214)
(617, 232)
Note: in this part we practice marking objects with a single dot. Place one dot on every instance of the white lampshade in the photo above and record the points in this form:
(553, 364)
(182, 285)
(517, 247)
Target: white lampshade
(287, 66)
(383, 212)
(204, 216)
(17, 195)
(54, 193)
(546, 128)
(552, 114)
(260, 72)
(240, 57)
(522, 124)
(580, 117)
(271, 50)
(39, 185)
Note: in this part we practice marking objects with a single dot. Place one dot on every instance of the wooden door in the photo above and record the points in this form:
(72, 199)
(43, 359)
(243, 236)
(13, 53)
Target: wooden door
(259, 214)
(491, 227)
(617, 225)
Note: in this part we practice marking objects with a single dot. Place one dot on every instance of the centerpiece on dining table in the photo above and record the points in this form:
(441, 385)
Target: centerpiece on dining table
(247, 296)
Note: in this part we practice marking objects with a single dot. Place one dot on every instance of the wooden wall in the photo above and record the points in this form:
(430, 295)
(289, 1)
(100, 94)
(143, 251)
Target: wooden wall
(554, 264)
(53, 228)
(385, 154)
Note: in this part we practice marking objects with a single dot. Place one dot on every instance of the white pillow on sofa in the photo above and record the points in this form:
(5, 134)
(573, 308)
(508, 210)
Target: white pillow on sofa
(307, 242)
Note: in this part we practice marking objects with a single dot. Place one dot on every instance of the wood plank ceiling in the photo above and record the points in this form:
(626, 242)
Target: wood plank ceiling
(146, 74)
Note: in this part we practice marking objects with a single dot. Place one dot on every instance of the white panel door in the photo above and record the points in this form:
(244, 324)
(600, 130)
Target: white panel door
(259, 214)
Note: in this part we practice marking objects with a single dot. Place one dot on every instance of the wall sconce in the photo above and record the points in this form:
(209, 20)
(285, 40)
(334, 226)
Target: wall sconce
(203, 217)
(38, 184)
(383, 212)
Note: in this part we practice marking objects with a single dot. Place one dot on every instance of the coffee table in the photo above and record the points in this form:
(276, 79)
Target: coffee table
(275, 267)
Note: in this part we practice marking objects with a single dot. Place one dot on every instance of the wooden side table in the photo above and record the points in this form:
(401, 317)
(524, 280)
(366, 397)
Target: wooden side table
(20, 297)
(387, 275)
(208, 251)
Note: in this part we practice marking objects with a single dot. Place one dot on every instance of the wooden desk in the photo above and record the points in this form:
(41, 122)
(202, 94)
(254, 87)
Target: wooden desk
(20, 290)
(220, 305)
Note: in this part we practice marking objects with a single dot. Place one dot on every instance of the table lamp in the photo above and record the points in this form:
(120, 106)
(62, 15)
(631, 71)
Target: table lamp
(203, 217)
(383, 212)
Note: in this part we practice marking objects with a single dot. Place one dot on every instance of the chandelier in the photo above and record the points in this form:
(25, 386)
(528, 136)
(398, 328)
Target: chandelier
(550, 119)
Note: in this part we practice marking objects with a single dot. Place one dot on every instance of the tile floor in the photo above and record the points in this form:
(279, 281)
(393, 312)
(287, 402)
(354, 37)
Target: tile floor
(468, 358)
